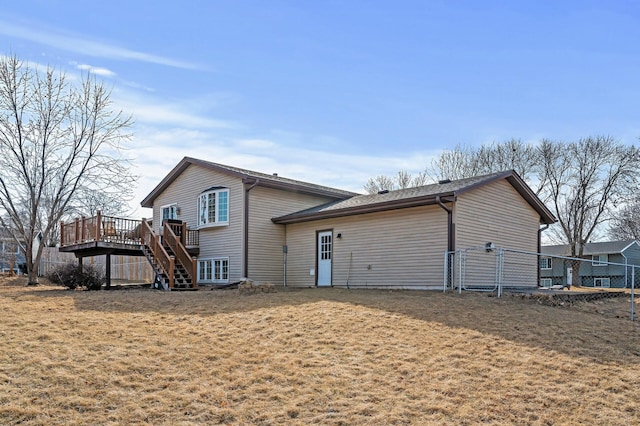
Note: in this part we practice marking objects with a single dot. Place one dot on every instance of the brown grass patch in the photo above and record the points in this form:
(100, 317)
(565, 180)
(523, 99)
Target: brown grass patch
(323, 356)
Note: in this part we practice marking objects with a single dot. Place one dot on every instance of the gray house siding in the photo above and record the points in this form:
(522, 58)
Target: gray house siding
(619, 276)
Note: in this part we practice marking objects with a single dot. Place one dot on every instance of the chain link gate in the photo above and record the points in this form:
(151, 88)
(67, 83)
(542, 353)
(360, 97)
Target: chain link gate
(491, 269)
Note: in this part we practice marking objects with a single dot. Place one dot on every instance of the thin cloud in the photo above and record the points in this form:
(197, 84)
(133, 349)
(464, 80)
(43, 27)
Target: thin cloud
(80, 44)
(96, 70)
(164, 114)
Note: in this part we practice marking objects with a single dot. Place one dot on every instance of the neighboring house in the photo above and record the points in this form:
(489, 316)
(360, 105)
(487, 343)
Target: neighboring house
(270, 228)
(12, 257)
(602, 267)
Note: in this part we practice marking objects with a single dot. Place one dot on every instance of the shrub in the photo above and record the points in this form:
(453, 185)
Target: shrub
(72, 276)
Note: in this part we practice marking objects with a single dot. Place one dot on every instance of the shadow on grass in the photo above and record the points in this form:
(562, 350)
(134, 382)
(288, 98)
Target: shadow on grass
(563, 330)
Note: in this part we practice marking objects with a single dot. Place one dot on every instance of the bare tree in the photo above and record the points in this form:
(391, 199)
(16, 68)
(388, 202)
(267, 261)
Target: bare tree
(379, 183)
(589, 178)
(57, 140)
(625, 224)
(403, 179)
(465, 161)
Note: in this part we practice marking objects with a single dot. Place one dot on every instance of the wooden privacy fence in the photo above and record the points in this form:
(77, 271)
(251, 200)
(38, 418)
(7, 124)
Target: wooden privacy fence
(123, 268)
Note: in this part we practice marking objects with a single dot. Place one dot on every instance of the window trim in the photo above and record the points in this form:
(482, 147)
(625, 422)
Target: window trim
(549, 263)
(602, 279)
(599, 261)
(217, 221)
(212, 270)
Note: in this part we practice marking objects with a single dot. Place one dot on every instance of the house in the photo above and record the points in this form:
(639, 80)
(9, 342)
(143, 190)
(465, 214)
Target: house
(604, 265)
(288, 232)
(12, 257)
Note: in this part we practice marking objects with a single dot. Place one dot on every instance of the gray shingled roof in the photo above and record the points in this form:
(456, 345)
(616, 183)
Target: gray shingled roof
(411, 197)
(265, 179)
(606, 247)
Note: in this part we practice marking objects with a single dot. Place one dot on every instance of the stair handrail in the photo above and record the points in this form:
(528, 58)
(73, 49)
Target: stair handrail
(182, 255)
(166, 262)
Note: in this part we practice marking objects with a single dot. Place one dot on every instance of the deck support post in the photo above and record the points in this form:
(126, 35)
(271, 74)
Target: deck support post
(107, 267)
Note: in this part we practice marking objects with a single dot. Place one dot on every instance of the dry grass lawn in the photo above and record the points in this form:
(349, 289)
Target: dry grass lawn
(312, 356)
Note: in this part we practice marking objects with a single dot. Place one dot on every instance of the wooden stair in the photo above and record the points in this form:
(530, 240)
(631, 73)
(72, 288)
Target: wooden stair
(169, 258)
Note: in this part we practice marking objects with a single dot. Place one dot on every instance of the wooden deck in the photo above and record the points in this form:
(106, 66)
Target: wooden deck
(99, 235)
(170, 253)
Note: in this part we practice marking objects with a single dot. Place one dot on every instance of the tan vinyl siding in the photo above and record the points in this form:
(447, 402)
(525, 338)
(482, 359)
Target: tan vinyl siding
(220, 241)
(266, 238)
(404, 247)
(497, 213)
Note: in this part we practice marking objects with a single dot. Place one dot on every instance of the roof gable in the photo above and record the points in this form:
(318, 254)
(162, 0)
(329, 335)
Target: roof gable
(417, 196)
(247, 176)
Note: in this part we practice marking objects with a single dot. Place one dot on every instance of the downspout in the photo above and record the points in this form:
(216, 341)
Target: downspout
(450, 244)
(246, 227)
(544, 228)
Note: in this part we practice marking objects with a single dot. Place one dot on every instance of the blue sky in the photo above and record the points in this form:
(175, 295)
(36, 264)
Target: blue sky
(335, 92)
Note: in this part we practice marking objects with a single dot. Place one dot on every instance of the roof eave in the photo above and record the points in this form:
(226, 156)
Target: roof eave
(268, 183)
(373, 208)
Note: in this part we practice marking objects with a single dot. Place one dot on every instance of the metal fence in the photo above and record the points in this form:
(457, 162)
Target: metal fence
(491, 269)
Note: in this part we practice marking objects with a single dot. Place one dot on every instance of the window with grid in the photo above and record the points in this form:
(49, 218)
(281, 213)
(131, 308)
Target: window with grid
(325, 247)
(213, 270)
(602, 282)
(213, 207)
(599, 259)
(545, 282)
(545, 263)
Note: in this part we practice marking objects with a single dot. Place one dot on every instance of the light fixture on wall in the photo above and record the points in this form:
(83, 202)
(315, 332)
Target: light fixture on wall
(339, 235)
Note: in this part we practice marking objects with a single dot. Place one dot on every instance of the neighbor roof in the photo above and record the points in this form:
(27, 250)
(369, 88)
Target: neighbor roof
(418, 196)
(249, 176)
(606, 247)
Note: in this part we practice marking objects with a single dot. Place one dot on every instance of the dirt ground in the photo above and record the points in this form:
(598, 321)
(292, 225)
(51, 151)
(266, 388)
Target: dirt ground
(312, 356)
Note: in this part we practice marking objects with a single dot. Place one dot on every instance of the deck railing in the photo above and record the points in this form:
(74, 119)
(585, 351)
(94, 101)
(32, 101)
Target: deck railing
(100, 228)
(188, 237)
(178, 248)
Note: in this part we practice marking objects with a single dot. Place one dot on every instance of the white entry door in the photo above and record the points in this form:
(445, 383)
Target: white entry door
(325, 249)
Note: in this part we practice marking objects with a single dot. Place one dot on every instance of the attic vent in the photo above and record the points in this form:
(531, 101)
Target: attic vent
(384, 191)
(275, 174)
(443, 181)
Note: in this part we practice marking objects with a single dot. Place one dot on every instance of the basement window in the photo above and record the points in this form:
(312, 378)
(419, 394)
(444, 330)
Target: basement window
(602, 282)
(213, 271)
(545, 282)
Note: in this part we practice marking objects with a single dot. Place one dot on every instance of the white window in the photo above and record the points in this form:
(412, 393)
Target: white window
(599, 259)
(213, 270)
(10, 247)
(169, 212)
(545, 263)
(545, 282)
(602, 282)
(213, 207)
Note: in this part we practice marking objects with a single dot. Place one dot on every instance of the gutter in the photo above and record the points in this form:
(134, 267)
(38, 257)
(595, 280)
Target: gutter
(356, 210)
(246, 225)
(544, 228)
(450, 242)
